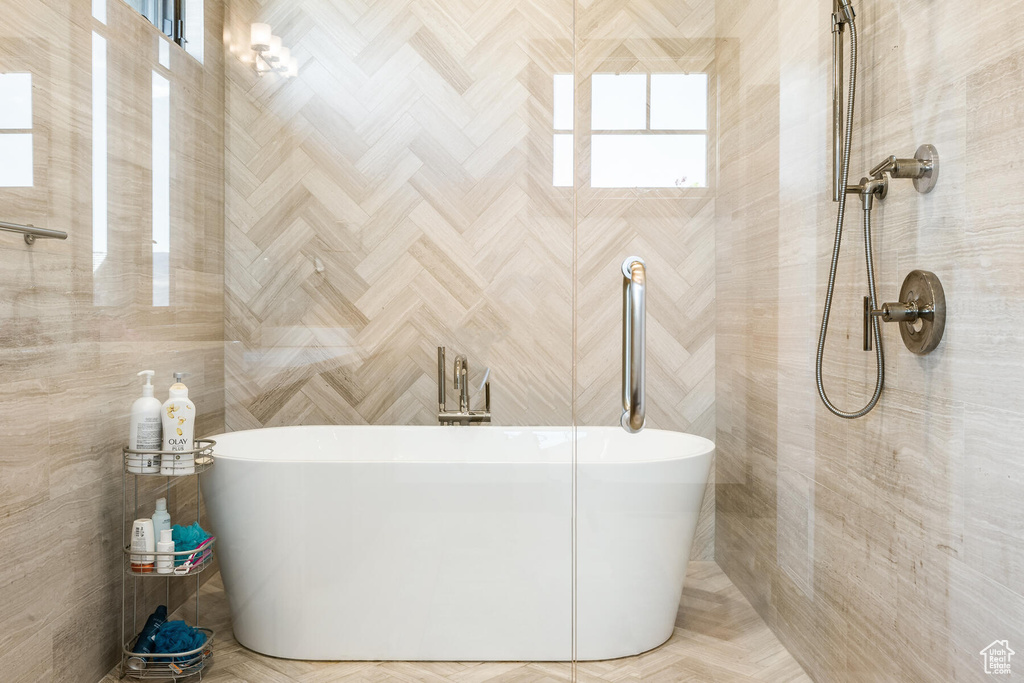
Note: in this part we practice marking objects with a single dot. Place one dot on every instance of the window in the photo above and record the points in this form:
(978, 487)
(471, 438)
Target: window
(99, 158)
(180, 20)
(166, 15)
(161, 190)
(650, 131)
(563, 141)
(15, 124)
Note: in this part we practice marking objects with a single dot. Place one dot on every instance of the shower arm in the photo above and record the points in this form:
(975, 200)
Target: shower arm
(912, 169)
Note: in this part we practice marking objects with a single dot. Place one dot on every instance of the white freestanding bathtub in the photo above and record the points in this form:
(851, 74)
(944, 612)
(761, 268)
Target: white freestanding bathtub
(449, 543)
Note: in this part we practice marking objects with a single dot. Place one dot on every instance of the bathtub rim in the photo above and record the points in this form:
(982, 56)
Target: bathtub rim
(694, 446)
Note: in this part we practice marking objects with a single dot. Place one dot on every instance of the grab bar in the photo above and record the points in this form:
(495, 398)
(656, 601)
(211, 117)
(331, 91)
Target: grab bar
(31, 232)
(634, 322)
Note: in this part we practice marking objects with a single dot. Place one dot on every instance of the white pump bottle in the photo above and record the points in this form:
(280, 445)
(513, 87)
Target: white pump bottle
(179, 423)
(144, 431)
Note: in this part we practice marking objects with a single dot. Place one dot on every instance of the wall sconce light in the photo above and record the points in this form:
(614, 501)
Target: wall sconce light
(271, 57)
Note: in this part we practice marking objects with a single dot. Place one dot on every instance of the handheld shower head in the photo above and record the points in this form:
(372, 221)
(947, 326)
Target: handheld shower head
(844, 9)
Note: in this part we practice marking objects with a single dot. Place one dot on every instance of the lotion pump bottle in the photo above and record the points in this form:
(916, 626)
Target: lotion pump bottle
(144, 429)
(179, 420)
(161, 518)
(165, 563)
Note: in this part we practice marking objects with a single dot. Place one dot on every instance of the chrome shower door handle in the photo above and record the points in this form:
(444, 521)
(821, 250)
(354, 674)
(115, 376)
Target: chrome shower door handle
(634, 323)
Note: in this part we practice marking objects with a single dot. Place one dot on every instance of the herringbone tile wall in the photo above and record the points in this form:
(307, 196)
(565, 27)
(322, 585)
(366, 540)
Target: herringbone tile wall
(397, 196)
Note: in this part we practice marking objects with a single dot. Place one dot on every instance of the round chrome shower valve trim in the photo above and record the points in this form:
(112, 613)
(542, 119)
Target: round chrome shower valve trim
(920, 312)
(922, 335)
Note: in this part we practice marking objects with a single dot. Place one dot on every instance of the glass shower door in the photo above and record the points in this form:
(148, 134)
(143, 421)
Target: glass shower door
(644, 129)
(397, 196)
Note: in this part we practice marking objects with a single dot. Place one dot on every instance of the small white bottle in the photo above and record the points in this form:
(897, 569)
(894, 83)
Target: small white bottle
(144, 430)
(161, 518)
(165, 563)
(142, 540)
(179, 423)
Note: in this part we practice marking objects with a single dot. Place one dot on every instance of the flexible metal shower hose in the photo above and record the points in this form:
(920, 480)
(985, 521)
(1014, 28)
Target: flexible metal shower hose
(879, 357)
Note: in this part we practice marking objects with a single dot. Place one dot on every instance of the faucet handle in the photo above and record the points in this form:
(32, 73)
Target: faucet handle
(440, 378)
(485, 386)
(461, 370)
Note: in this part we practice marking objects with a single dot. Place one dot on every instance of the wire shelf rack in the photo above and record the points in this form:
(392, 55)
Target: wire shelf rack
(180, 470)
(141, 463)
(166, 666)
(183, 562)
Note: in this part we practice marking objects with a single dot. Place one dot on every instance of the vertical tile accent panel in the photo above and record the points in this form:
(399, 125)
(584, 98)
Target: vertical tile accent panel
(71, 339)
(884, 548)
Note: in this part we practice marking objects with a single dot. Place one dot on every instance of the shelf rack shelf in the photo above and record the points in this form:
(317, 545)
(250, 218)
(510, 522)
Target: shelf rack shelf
(155, 666)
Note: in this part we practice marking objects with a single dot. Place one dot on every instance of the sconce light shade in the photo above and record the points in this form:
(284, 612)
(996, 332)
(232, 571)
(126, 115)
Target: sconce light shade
(271, 55)
(260, 35)
(275, 48)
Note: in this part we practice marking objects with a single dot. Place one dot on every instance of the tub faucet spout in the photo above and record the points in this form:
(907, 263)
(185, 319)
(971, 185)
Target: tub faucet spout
(462, 416)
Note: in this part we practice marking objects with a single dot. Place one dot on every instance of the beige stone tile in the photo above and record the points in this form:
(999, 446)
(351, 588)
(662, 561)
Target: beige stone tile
(24, 461)
(74, 337)
(978, 607)
(32, 659)
(994, 475)
(897, 509)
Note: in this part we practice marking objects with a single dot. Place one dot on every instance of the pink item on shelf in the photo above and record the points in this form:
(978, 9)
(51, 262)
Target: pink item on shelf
(196, 559)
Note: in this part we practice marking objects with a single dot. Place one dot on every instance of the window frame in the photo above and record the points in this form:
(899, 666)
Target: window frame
(704, 133)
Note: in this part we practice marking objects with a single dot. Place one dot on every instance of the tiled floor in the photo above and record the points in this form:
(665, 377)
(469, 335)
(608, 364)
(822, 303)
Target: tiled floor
(718, 638)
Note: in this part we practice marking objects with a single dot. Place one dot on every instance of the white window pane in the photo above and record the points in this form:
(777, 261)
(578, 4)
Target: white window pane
(563, 101)
(648, 161)
(161, 191)
(679, 102)
(16, 101)
(99, 10)
(164, 54)
(195, 28)
(563, 160)
(16, 151)
(619, 102)
(99, 153)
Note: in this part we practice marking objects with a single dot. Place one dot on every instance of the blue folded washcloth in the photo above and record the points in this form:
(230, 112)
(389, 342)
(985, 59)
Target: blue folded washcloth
(177, 636)
(187, 538)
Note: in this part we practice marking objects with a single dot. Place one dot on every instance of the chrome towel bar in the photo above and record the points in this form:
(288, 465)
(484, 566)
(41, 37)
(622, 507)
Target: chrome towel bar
(634, 323)
(32, 233)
